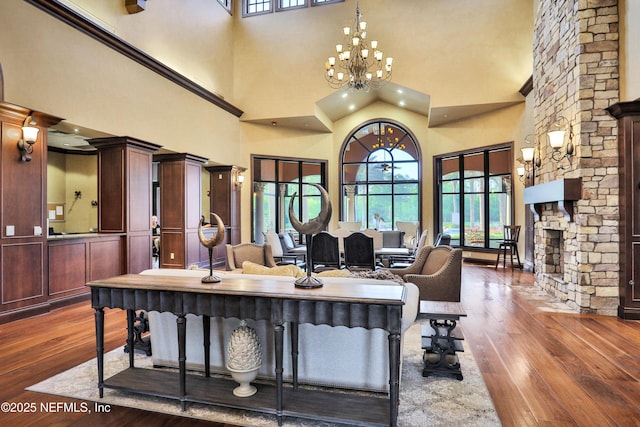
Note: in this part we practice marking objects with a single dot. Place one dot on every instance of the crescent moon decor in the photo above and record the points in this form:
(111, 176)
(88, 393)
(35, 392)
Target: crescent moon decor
(210, 244)
(313, 226)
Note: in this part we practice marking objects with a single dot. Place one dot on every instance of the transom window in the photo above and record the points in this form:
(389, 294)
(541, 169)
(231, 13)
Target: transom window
(258, 7)
(227, 4)
(380, 181)
(475, 196)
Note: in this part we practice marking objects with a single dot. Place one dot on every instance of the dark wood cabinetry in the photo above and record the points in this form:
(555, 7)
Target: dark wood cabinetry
(225, 201)
(628, 115)
(124, 194)
(23, 218)
(180, 177)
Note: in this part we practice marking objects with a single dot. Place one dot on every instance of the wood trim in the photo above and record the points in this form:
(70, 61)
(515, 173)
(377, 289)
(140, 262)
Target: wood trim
(1, 85)
(622, 109)
(82, 24)
(562, 191)
(527, 87)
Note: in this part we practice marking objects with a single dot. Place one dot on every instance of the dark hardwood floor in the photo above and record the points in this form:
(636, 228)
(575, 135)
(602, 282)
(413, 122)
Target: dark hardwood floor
(541, 368)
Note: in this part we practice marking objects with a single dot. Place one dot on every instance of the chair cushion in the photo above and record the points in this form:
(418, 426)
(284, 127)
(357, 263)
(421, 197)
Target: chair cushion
(287, 240)
(436, 259)
(274, 241)
(249, 267)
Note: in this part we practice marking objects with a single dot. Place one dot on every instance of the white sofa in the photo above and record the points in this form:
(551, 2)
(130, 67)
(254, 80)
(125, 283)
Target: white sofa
(354, 358)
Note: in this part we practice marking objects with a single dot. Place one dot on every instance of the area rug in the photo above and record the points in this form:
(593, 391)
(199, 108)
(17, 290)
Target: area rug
(432, 401)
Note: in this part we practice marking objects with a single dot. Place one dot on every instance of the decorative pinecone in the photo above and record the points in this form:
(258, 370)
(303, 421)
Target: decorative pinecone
(245, 350)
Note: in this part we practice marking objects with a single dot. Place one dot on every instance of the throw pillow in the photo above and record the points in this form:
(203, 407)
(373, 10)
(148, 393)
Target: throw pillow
(249, 267)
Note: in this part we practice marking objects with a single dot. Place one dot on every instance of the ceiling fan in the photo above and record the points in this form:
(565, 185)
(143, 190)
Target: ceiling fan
(386, 167)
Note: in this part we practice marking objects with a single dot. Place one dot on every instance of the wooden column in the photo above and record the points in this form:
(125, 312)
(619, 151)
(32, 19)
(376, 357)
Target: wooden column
(180, 177)
(23, 216)
(124, 195)
(225, 201)
(628, 115)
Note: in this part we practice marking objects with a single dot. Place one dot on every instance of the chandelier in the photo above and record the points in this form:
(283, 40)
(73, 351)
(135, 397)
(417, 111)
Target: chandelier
(358, 66)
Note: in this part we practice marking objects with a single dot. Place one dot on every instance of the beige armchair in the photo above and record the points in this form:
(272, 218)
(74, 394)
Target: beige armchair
(258, 254)
(437, 271)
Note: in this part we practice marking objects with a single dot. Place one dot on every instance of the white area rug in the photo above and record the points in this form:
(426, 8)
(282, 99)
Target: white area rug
(430, 401)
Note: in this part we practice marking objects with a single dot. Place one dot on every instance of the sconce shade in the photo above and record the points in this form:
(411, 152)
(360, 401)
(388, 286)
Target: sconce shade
(527, 154)
(30, 133)
(556, 138)
(240, 178)
(520, 170)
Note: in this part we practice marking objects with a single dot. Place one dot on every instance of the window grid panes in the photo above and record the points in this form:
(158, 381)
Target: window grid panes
(474, 209)
(380, 176)
(227, 4)
(291, 4)
(254, 7)
(275, 181)
(258, 7)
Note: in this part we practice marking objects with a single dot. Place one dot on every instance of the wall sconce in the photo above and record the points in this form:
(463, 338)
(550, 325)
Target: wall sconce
(29, 137)
(529, 158)
(556, 134)
(239, 179)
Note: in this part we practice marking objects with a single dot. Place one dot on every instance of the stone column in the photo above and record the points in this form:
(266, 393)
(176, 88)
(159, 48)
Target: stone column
(258, 226)
(282, 208)
(350, 192)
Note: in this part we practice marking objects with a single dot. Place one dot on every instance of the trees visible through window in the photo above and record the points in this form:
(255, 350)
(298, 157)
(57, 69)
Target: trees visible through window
(275, 180)
(475, 196)
(380, 181)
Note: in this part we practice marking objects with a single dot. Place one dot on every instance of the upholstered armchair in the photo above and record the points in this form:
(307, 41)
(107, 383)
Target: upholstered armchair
(436, 271)
(258, 254)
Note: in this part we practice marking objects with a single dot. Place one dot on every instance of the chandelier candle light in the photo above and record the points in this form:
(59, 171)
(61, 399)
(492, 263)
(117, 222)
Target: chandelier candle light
(359, 65)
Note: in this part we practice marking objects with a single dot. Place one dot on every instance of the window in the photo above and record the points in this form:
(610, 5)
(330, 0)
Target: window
(474, 196)
(227, 4)
(275, 180)
(290, 4)
(258, 7)
(380, 180)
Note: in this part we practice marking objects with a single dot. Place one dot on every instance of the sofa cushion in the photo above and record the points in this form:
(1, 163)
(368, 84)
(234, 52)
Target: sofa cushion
(291, 270)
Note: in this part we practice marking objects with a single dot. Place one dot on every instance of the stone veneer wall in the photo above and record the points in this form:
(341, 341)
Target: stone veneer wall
(576, 76)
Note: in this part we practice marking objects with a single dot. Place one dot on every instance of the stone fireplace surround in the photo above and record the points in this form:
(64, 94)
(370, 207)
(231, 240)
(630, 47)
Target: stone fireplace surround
(576, 75)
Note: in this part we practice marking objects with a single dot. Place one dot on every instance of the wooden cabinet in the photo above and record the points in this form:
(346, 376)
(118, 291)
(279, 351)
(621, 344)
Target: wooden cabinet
(124, 192)
(23, 217)
(628, 115)
(225, 201)
(180, 176)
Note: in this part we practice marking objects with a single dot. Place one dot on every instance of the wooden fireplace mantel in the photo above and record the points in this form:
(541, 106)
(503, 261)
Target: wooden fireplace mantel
(562, 191)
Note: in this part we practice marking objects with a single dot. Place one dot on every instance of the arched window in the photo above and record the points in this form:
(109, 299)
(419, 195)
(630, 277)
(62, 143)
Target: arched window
(380, 181)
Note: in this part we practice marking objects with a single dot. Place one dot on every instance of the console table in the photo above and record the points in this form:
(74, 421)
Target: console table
(357, 305)
(441, 340)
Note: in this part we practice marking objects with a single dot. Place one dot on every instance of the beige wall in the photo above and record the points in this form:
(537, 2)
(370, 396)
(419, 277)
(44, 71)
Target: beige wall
(488, 129)
(460, 53)
(63, 72)
(67, 174)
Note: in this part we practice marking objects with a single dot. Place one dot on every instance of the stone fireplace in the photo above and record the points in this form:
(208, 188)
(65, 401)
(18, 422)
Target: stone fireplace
(576, 243)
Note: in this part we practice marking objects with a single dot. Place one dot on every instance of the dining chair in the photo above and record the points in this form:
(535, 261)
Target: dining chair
(325, 254)
(358, 252)
(509, 243)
